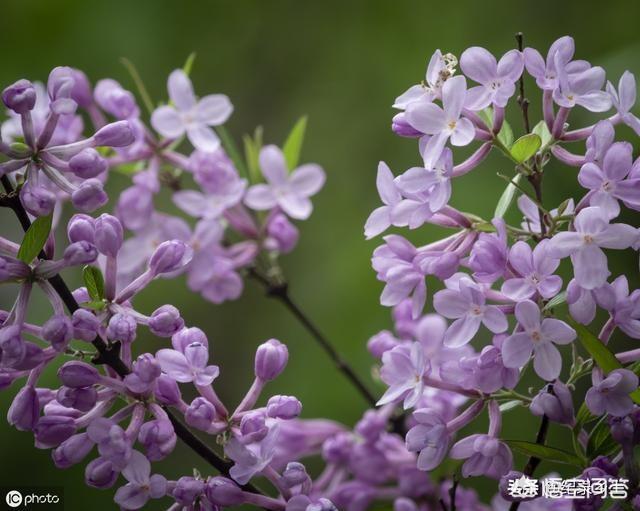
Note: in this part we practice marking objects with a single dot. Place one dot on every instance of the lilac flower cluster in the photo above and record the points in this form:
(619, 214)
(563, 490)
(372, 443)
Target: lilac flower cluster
(503, 279)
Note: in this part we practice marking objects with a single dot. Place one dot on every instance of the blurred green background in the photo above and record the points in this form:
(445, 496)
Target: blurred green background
(342, 64)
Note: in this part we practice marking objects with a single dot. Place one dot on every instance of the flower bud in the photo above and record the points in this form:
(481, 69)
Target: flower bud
(58, 331)
(622, 429)
(135, 207)
(72, 451)
(165, 321)
(37, 200)
(80, 252)
(295, 474)
(90, 196)
(404, 504)
(108, 235)
(52, 430)
(283, 235)
(12, 345)
(158, 438)
(85, 325)
(200, 414)
(337, 449)
(253, 427)
(12, 269)
(20, 97)
(555, 402)
(187, 336)
(170, 256)
(167, 391)
(271, 359)
(380, 343)
(122, 327)
(82, 398)
(145, 370)
(24, 410)
(81, 295)
(100, 474)
(87, 163)
(113, 99)
(78, 374)
(224, 492)
(603, 463)
(81, 228)
(76, 84)
(32, 355)
(187, 489)
(400, 126)
(116, 134)
(371, 425)
(283, 407)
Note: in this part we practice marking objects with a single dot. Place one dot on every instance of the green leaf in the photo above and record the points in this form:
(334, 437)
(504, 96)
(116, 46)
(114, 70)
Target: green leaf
(94, 282)
(559, 299)
(507, 198)
(293, 144)
(487, 117)
(188, 65)
(584, 416)
(94, 305)
(506, 135)
(35, 238)
(252, 146)
(510, 405)
(543, 132)
(600, 439)
(525, 147)
(598, 351)
(544, 453)
(231, 149)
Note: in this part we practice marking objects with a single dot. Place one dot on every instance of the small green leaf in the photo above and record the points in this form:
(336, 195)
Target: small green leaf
(510, 405)
(34, 239)
(600, 440)
(543, 132)
(94, 305)
(584, 416)
(487, 117)
(525, 147)
(188, 65)
(94, 282)
(230, 147)
(545, 453)
(507, 198)
(293, 144)
(252, 146)
(559, 299)
(506, 135)
(598, 351)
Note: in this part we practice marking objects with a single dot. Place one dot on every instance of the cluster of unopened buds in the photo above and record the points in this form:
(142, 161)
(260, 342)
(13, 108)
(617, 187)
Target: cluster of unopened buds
(124, 410)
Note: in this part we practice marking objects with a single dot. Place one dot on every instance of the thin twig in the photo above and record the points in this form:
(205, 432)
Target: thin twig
(280, 291)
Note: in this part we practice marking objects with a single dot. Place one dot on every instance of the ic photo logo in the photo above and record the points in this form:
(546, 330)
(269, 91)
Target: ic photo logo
(29, 498)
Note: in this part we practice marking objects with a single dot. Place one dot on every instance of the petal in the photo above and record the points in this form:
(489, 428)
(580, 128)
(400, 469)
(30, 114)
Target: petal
(411, 95)
(462, 331)
(295, 206)
(591, 221)
(550, 286)
(618, 236)
(203, 137)
(450, 303)
(415, 180)
(628, 191)
(521, 258)
(618, 161)
(167, 121)
(214, 109)
(175, 365)
(564, 244)
(590, 267)
(191, 202)
(547, 362)
(478, 97)
(260, 197)
(478, 64)
(131, 496)
(463, 449)
(557, 331)
(534, 62)
(516, 350)
(206, 376)
(463, 133)
(181, 90)
(307, 180)
(528, 315)
(590, 176)
(454, 92)
(511, 65)
(433, 149)
(427, 118)
(494, 319)
(138, 469)
(378, 222)
(197, 355)
(518, 289)
(386, 185)
(597, 101)
(273, 165)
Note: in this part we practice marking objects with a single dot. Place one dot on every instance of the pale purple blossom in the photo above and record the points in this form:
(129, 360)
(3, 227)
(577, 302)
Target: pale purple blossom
(190, 366)
(534, 272)
(402, 369)
(141, 484)
(611, 395)
(624, 99)
(381, 218)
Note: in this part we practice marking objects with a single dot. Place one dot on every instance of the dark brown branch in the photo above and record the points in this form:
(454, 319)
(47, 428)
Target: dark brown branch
(281, 292)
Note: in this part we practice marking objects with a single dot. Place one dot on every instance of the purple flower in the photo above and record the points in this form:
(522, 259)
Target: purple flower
(381, 218)
(190, 115)
(402, 370)
(546, 74)
(497, 79)
(592, 233)
(253, 458)
(529, 209)
(141, 486)
(100, 473)
(290, 192)
(624, 307)
(624, 99)
(158, 438)
(115, 100)
(190, 366)
(430, 437)
(113, 442)
(465, 302)
(485, 455)
(611, 395)
(538, 337)
(609, 182)
(227, 191)
(583, 88)
(489, 255)
(282, 234)
(439, 69)
(187, 489)
(535, 269)
(443, 123)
